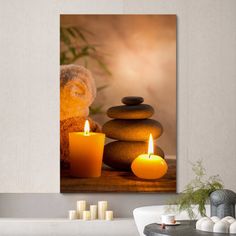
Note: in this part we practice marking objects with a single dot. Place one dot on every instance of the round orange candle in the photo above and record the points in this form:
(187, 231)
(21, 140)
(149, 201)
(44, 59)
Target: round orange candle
(149, 166)
(86, 151)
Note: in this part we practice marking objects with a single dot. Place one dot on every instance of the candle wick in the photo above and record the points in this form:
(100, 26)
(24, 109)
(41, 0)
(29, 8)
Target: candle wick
(149, 155)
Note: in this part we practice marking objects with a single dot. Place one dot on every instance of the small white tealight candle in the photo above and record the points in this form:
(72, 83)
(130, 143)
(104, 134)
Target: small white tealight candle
(109, 215)
(80, 207)
(72, 215)
(86, 215)
(168, 219)
(102, 207)
(93, 212)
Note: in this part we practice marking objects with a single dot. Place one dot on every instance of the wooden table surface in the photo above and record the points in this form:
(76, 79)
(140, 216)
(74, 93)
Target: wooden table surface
(120, 181)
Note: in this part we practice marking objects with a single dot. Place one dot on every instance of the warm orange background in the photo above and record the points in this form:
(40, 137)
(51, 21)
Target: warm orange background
(141, 54)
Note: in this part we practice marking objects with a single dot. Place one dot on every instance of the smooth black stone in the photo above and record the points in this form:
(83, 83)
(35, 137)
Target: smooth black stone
(132, 100)
(132, 130)
(141, 111)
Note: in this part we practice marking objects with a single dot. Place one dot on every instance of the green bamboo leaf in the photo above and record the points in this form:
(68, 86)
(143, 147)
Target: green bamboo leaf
(103, 66)
(63, 58)
(80, 29)
(71, 32)
(70, 37)
(102, 87)
(64, 37)
(73, 51)
(88, 49)
(93, 110)
(80, 34)
(85, 49)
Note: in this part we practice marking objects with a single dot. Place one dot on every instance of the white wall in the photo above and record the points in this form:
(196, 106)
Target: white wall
(29, 95)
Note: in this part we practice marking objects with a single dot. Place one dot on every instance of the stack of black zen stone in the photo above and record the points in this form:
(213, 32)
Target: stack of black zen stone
(131, 126)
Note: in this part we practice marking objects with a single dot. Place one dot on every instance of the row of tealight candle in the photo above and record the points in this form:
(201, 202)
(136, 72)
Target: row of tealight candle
(95, 211)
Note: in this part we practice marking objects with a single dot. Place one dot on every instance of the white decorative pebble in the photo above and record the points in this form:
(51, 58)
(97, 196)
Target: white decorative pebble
(199, 222)
(225, 221)
(215, 219)
(217, 225)
(207, 225)
(229, 219)
(232, 228)
(221, 227)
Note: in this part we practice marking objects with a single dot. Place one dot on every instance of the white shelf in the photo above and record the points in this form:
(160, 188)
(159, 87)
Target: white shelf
(65, 227)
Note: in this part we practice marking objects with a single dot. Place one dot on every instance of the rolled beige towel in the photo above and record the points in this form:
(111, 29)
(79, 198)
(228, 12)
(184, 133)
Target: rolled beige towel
(77, 91)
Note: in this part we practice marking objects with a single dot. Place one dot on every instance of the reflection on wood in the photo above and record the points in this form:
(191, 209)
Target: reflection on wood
(120, 181)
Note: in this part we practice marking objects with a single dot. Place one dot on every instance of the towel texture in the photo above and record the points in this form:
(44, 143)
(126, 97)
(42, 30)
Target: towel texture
(77, 91)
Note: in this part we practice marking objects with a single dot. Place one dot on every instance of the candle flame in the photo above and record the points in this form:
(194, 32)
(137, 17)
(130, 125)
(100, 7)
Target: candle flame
(150, 145)
(86, 127)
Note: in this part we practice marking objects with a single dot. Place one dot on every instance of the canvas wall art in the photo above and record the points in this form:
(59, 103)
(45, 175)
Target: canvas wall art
(118, 103)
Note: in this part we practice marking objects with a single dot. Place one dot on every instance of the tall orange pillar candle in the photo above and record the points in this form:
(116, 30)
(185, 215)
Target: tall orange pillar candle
(149, 166)
(86, 151)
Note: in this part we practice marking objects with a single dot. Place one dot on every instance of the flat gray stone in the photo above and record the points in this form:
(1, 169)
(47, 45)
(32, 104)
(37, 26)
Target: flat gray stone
(120, 154)
(141, 111)
(132, 100)
(132, 130)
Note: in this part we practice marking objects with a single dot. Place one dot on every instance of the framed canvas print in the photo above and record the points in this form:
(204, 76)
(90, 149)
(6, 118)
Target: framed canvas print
(118, 103)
